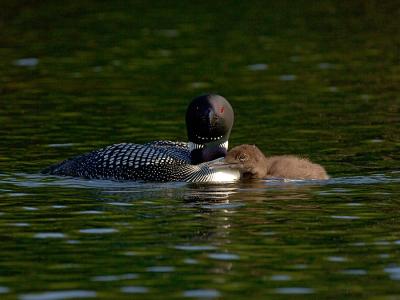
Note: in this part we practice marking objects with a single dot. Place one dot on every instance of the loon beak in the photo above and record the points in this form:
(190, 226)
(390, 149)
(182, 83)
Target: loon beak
(212, 118)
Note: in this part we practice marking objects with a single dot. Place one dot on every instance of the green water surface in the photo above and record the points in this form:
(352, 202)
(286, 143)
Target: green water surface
(315, 78)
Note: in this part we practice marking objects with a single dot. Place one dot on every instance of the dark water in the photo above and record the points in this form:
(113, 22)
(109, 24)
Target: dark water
(317, 79)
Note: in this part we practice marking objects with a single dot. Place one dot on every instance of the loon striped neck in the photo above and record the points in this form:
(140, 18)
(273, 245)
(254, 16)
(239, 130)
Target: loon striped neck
(193, 146)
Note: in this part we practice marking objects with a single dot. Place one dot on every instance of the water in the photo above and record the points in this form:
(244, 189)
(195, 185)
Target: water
(320, 80)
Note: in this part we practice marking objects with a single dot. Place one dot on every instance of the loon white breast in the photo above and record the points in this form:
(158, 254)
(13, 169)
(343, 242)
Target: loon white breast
(209, 120)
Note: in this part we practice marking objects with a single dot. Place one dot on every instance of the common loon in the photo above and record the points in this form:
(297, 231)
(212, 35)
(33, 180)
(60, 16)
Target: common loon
(209, 120)
(252, 163)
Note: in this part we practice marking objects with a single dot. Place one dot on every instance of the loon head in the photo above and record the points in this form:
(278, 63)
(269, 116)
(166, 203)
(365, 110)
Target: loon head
(209, 121)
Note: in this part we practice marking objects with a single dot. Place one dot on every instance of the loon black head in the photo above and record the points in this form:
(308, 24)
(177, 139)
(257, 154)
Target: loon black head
(209, 121)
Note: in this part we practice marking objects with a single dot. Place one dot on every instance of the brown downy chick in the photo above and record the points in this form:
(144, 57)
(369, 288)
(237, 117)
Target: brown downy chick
(252, 163)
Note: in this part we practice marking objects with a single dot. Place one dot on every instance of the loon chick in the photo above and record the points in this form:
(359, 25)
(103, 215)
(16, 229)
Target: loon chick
(252, 163)
(209, 120)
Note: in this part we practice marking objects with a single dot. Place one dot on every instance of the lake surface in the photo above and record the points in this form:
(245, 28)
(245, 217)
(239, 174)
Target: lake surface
(319, 79)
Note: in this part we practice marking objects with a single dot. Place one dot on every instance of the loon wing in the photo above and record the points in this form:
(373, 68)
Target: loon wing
(154, 162)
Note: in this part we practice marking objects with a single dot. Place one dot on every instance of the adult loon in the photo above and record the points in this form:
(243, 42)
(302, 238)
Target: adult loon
(209, 120)
(252, 163)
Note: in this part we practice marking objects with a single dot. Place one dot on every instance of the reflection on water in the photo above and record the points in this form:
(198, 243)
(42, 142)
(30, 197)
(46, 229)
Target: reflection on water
(71, 294)
(192, 192)
(291, 237)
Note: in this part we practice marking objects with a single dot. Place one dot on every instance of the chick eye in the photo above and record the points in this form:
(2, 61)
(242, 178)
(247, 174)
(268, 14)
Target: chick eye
(242, 157)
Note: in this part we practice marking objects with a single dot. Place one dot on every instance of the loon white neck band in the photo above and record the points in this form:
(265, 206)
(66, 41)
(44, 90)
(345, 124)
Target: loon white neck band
(193, 146)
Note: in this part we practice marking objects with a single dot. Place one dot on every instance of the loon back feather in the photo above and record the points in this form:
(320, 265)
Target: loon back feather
(154, 161)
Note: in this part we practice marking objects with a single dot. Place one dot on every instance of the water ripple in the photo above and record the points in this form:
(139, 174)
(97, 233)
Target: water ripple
(61, 145)
(134, 289)
(161, 269)
(120, 203)
(336, 258)
(223, 256)
(201, 293)
(98, 230)
(59, 206)
(345, 217)
(195, 247)
(294, 290)
(354, 272)
(190, 261)
(325, 66)
(89, 212)
(257, 67)
(288, 77)
(30, 208)
(59, 295)
(223, 206)
(280, 277)
(115, 277)
(20, 224)
(26, 62)
(49, 235)
(393, 271)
